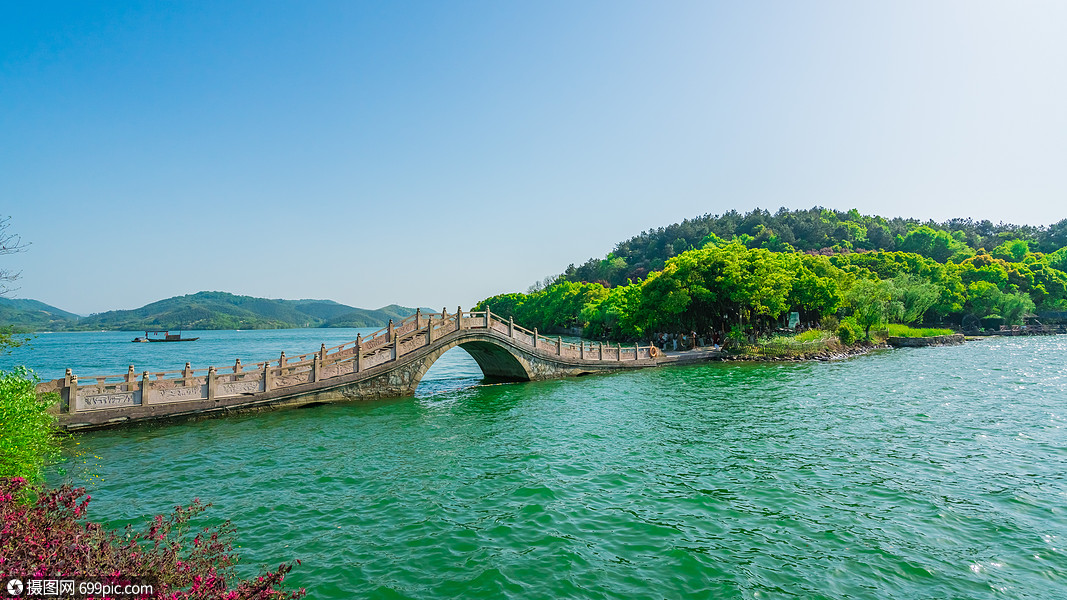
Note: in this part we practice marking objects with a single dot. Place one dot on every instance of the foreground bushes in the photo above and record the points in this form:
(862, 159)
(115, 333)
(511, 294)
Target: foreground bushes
(27, 437)
(50, 538)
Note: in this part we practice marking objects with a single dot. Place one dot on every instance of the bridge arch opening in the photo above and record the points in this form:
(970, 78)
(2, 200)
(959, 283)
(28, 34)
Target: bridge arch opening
(470, 363)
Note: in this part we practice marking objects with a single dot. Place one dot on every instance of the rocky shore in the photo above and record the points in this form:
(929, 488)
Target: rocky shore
(821, 355)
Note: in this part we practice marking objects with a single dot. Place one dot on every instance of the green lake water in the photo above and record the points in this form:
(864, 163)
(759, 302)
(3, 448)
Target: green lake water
(913, 473)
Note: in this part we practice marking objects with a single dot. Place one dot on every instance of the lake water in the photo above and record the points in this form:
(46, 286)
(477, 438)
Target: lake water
(913, 473)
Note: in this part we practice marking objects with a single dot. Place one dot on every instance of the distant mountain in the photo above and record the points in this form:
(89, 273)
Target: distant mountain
(203, 310)
(361, 317)
(31, 315)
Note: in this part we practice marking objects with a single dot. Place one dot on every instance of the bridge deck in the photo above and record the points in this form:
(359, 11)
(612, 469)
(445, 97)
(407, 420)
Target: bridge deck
(387, 363)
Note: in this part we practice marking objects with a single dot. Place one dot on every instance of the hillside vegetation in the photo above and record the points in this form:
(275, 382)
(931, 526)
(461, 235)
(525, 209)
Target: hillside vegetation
(203, 310)
(740, 275)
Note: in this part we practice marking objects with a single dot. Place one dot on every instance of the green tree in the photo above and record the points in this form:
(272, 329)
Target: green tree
(1013, 307)
(914, 296)
(870, 301)
(984, 298)
(1012, 251)
(937, 244)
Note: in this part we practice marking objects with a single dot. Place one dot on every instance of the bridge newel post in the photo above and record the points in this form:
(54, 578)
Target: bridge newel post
(316, 368)
(212, 383)
(429, 329)
(359, 352)
(144, 388)
(511, 326)
(390, 329)
(281, 359)
(559, 345)
(237, 366)
(130, 376)
(70, 399)
(581, 349)
(459, 318)
(322, 352)
(637, 352)
(396, 346)
(618, 354)
(535, 339)
(187, 372)
(418, 318)
(600, 350)
(268, 377)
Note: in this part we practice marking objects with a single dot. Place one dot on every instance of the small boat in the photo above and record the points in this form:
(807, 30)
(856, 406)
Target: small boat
(167, 337)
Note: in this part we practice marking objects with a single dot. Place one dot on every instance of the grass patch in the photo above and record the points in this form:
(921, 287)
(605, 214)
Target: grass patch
(895, 330)
(812, 335)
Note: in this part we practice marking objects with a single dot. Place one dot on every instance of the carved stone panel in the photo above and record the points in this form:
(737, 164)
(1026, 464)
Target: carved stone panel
(237, 388)
(176, 394)
(111, 400)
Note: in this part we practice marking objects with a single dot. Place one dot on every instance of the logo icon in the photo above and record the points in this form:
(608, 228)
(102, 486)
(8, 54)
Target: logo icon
(14, 587)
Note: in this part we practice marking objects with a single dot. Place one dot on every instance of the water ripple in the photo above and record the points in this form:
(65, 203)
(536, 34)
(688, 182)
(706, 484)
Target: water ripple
(918, 473)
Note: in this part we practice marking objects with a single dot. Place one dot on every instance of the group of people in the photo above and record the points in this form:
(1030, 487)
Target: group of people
(687, 341)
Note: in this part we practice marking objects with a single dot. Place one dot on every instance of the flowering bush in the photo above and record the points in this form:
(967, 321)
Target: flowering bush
(50, 537)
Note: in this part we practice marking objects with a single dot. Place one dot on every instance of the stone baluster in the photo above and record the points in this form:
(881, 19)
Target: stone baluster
(488, 318)
(212, 382)
(418, 319)
(281, 360)
(237, 366)
(396, 346)
(316, 367)
(559, 345)
(359, 353)
(459, 318)
(187, 374)
(144, 388)
(600, 351)
(429, 329)
(581, 349)
(511, 327)
(268, 377)
(130, 375)
(535, 339)
(637, 352)
(70, 384)
(322, 352)
(389, 330)
(618, 352)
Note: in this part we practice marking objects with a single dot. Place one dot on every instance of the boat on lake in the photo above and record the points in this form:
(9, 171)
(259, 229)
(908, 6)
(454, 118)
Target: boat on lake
(166, 337)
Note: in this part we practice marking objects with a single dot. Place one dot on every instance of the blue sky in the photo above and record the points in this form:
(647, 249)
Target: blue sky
(434, 153)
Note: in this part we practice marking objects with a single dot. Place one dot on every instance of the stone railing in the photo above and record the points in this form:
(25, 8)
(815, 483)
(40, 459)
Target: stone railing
(389, 344)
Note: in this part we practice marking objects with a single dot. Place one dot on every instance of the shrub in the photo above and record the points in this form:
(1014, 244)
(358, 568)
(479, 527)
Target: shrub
(50, 538)
(846, 333)
(28, 438)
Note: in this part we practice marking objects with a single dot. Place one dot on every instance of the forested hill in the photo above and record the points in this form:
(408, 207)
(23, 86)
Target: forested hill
(203, 310)
(814, 230)
(743, 273)
(31, 315)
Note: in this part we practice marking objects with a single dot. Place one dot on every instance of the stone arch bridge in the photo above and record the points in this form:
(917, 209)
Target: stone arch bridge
(388, 363)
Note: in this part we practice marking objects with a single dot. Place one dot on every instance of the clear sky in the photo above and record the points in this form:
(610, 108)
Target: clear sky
(434, 153)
